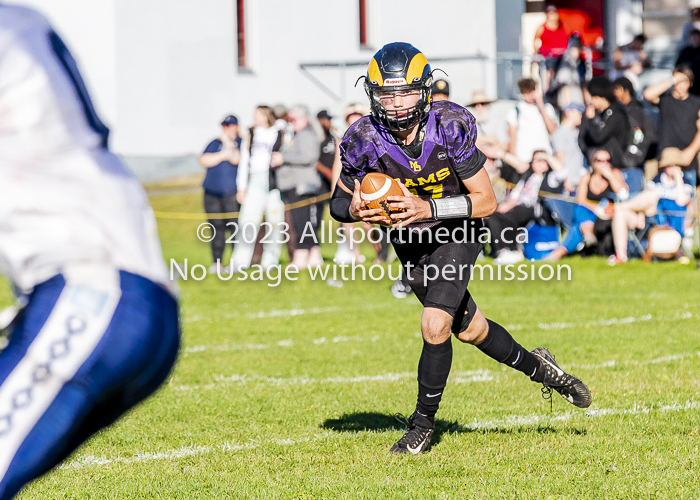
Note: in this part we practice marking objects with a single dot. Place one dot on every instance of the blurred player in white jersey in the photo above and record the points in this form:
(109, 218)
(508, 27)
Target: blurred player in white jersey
(99, 329)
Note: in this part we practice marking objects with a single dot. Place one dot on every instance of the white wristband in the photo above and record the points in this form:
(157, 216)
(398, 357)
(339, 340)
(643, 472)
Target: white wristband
(452, 207)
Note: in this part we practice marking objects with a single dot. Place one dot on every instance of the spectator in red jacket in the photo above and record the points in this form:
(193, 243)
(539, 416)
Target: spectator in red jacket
(551, 41)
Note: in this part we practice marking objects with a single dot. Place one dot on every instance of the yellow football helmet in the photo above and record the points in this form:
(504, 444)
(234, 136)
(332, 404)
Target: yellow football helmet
(399, 67)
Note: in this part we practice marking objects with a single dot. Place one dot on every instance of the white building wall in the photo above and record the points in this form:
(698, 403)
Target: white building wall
(164, 72)
(89, 30)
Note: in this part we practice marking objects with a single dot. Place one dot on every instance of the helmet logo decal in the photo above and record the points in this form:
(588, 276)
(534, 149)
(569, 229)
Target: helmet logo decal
(416, 68)
(395, 81)
(374, 74)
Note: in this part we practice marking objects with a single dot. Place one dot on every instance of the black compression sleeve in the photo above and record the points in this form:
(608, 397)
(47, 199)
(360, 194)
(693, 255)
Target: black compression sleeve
(340, 205)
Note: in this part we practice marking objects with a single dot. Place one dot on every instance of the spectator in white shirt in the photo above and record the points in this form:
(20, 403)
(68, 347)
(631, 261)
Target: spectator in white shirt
(257, 193)
(531, 122)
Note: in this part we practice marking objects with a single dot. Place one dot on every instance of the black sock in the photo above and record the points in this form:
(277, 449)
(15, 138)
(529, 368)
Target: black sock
(501, 346)
(433, 370)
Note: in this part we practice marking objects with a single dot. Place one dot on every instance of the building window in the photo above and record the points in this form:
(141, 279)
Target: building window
(241, 25)
(363, 24)
(368, 10)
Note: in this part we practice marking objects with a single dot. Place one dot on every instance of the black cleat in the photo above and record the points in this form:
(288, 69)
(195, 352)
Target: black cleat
(416, 439)
(571, 388)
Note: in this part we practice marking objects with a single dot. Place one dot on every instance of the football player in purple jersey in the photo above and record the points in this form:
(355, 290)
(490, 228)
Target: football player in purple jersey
(429, 149)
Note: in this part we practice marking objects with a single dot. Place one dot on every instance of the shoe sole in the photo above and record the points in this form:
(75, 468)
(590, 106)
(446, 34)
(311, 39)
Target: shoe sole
(580, 388)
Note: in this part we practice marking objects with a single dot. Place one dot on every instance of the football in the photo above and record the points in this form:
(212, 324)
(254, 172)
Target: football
(376, 188)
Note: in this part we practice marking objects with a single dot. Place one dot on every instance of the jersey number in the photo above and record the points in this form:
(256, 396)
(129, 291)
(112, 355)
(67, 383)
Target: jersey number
(435, 191)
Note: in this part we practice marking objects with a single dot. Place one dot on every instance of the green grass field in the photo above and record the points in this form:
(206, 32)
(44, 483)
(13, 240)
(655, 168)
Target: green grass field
(290, 392)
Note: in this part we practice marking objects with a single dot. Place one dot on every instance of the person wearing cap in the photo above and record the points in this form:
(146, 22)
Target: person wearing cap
(489, 130)
(668, 185)
(565, 145)
(551, 40)
(220, 159)
(441, 90)
(328, 150)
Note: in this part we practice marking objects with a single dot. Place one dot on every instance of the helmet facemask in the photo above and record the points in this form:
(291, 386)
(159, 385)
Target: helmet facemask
(402, 119)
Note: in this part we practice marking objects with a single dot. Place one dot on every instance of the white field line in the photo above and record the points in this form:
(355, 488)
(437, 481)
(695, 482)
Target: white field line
(612, 321)
(612, 362)
(185, 451)
(471, 376)
(519, 420)
(286, 313)
(274, 313)
(507, 422)
(323, 340)
(219, 380)
(281, 343)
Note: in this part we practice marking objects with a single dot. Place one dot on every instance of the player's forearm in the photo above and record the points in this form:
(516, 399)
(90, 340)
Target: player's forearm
(340, 205)
(483, 204)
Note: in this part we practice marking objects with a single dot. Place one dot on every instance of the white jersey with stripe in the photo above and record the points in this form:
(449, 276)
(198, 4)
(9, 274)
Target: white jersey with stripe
(64, 198)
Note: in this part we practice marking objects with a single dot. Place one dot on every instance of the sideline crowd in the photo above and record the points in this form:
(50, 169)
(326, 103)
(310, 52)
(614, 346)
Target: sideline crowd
(601, 161)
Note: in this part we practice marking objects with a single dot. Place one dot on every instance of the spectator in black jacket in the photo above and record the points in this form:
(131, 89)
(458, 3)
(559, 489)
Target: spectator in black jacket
(644, 137)
(605, 123)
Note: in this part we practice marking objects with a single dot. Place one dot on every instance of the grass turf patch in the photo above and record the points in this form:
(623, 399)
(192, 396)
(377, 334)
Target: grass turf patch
(290, 391)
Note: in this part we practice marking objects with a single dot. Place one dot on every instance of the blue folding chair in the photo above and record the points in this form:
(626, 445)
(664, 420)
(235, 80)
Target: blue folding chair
(668, 213)
(562, 211)
(634, 177)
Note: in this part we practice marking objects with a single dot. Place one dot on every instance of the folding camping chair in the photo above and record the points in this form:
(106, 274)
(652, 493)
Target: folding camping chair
(668, 214)
(634, 178)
